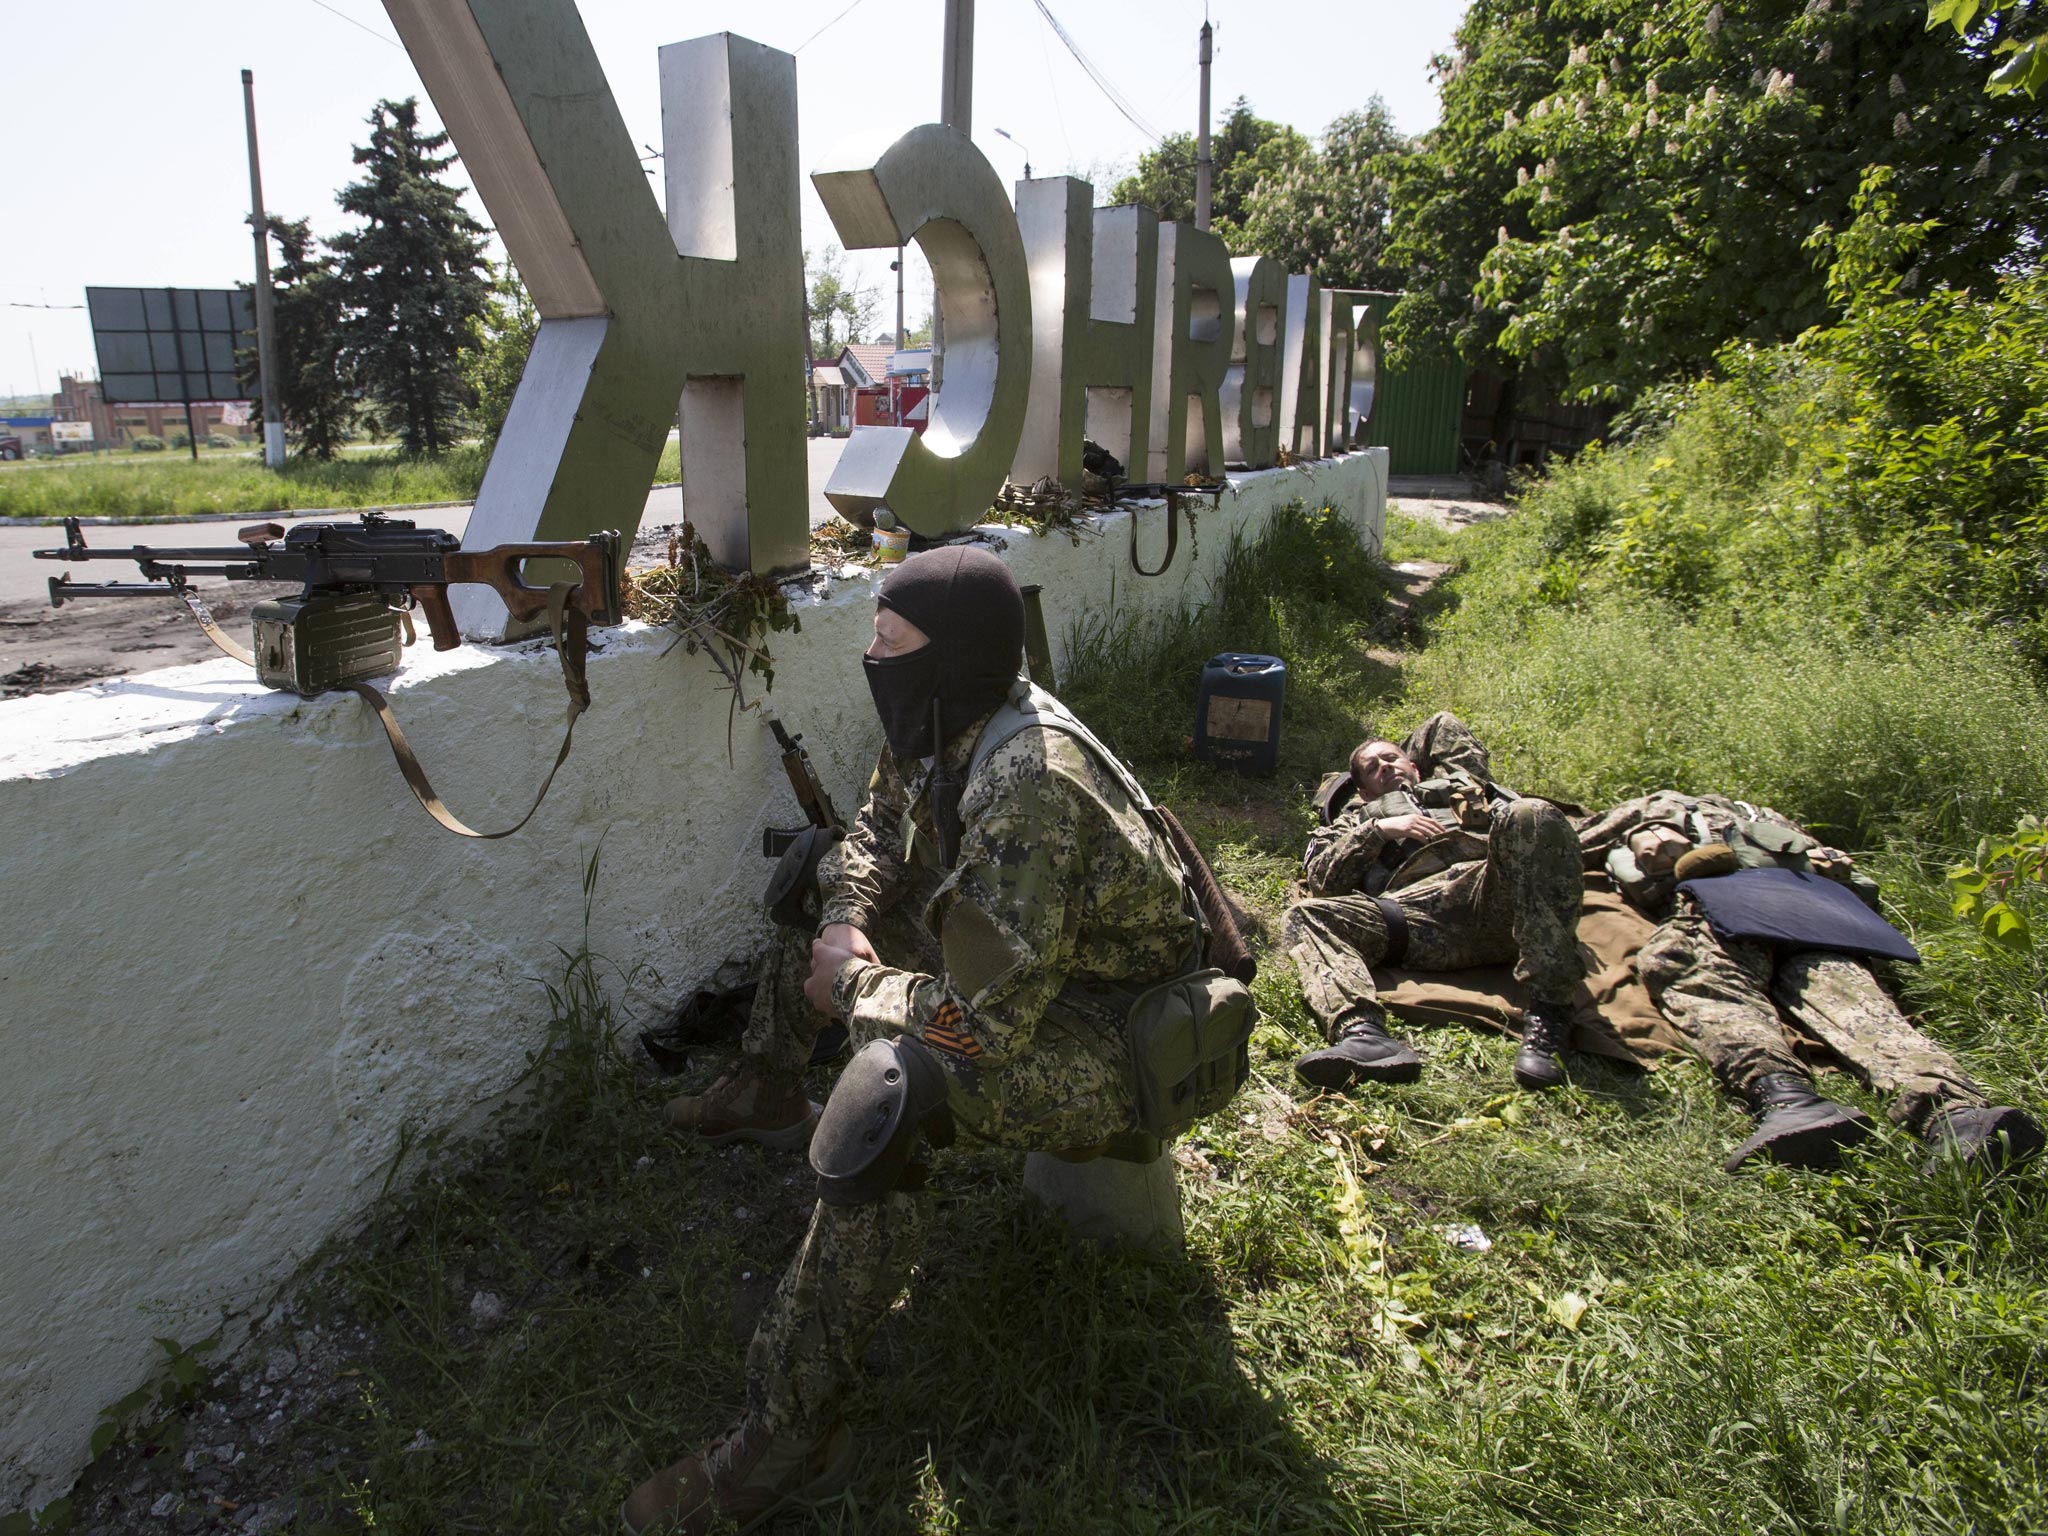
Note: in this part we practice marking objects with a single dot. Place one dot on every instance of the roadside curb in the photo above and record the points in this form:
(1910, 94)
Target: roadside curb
(243, 517)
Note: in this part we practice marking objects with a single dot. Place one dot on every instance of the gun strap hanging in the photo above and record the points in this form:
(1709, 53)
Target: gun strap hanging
(214, 632)
(571, 628)
(1172, 536)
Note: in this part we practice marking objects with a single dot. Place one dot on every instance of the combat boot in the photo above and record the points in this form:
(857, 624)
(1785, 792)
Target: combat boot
(1362, 1052)
(1994, 1136)
(1796, 1126)
(745, 1106)
(1546, 1028)
(743, 1477)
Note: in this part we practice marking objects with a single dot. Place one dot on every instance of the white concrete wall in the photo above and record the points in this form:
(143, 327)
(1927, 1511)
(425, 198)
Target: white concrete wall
(238, 960)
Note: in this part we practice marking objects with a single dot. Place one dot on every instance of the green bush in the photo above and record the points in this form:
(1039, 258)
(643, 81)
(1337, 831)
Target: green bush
(146, 443)
(1891, 468)
(182, 440)
(220, 440)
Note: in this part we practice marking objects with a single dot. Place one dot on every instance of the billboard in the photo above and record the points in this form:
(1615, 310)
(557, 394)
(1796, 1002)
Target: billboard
(70, 431)
(170, 346)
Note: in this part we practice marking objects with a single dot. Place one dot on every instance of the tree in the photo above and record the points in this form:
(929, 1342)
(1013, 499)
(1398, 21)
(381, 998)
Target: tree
(1165, 178)
(414, 274)
(841, 312)
(1995, 25)
(1619, 188)
(1325, 211)
(308, 306)
(494, 356)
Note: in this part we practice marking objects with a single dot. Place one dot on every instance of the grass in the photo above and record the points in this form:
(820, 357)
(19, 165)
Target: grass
(1648, 1345)
(163, 487)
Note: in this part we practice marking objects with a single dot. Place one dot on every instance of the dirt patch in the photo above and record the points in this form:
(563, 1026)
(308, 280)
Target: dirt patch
(46, 650)
(1448, 512)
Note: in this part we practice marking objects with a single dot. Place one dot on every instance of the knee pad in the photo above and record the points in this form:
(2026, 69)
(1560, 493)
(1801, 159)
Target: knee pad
(891, 1093)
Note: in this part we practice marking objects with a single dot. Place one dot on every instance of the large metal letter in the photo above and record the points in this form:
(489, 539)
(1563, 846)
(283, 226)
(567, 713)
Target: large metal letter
(1195, 323)
(1092, 276)
(1251, 424)
(1365, 369)
(1301, 370)
(934, 186)
(1338, 342)
(635, 317)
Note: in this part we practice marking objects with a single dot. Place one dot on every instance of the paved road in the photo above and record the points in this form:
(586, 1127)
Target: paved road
(23, 578)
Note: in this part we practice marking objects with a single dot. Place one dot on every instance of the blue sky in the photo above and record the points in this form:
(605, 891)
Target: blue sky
(130, 169)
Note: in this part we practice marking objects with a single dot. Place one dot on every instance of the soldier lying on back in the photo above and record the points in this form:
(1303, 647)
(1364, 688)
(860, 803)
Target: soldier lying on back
(1730, 996)
(1424, 862)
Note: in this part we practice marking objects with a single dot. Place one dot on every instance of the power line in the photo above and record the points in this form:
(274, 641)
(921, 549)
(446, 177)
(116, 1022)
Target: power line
(360, 26)
(800, 47)
(17, 304)
(1116, 97)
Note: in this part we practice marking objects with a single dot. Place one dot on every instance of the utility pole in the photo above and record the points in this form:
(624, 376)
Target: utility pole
(956, 110)
(266, 314)
(896, 266)
(1205, 169)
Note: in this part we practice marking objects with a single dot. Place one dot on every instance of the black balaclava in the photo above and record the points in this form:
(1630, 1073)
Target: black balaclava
(967, 601)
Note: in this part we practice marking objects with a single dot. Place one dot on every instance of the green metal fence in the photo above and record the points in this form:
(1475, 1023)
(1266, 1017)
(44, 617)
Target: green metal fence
(1419, 410)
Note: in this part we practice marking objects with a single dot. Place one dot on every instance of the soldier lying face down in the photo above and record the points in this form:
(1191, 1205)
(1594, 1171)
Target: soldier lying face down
(1752, 941)
(999, 901)
(1424, 862)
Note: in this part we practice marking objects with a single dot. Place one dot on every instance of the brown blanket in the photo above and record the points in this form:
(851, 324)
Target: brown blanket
(1612, 1015)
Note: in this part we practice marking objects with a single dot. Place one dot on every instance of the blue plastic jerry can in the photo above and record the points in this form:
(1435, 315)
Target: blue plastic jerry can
(1237, 721)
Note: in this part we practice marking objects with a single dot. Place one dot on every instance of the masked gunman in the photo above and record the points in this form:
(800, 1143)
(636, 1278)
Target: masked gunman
(1423, 861)
(1765, 927)
(1000, 900)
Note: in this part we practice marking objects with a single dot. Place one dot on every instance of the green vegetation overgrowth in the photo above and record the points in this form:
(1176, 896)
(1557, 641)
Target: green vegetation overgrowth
(1647, 1345)
(1814, 581)
(165, 490)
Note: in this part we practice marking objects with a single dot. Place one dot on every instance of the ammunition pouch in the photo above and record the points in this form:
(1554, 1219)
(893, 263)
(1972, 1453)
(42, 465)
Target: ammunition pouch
(1190, 1042)
(891, 1093)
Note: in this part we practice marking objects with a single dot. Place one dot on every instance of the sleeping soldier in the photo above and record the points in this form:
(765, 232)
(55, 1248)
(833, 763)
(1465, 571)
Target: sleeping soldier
(1731, 997)
(996, 909)
(1423, 861)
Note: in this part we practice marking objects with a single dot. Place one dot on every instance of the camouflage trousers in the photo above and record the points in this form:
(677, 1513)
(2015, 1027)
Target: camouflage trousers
(1726, 995)
(1070, 1089)
(1520, 904)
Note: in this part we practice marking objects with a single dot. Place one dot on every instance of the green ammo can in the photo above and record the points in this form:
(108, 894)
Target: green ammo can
(1237, 721)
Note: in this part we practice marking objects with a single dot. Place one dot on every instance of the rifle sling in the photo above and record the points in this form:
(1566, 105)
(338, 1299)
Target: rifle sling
(214, 632)
(571, 628)
(573, 647)
(1172, 537)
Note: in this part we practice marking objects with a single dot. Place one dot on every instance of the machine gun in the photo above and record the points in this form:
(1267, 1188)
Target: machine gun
(793, 898)
(359, 582)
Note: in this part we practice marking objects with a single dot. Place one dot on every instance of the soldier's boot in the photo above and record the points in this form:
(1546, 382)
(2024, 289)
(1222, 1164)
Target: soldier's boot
(1362, 1052)
(1796, 1126)
(745, 1106)
(743, 1477)
(1546, 1028)
(1993, 1135)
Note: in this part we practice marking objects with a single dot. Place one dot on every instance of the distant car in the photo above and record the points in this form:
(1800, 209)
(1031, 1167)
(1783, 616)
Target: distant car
(10, 448)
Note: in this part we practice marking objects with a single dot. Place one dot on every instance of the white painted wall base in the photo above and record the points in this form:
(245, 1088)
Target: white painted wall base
(237, 960)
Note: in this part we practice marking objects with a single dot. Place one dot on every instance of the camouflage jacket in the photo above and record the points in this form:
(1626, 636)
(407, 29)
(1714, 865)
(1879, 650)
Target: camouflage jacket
(1759, 834)
(1354, 852)
(1059, 882)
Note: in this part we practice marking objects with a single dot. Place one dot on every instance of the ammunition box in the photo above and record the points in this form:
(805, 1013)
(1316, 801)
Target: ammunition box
(327, 640)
